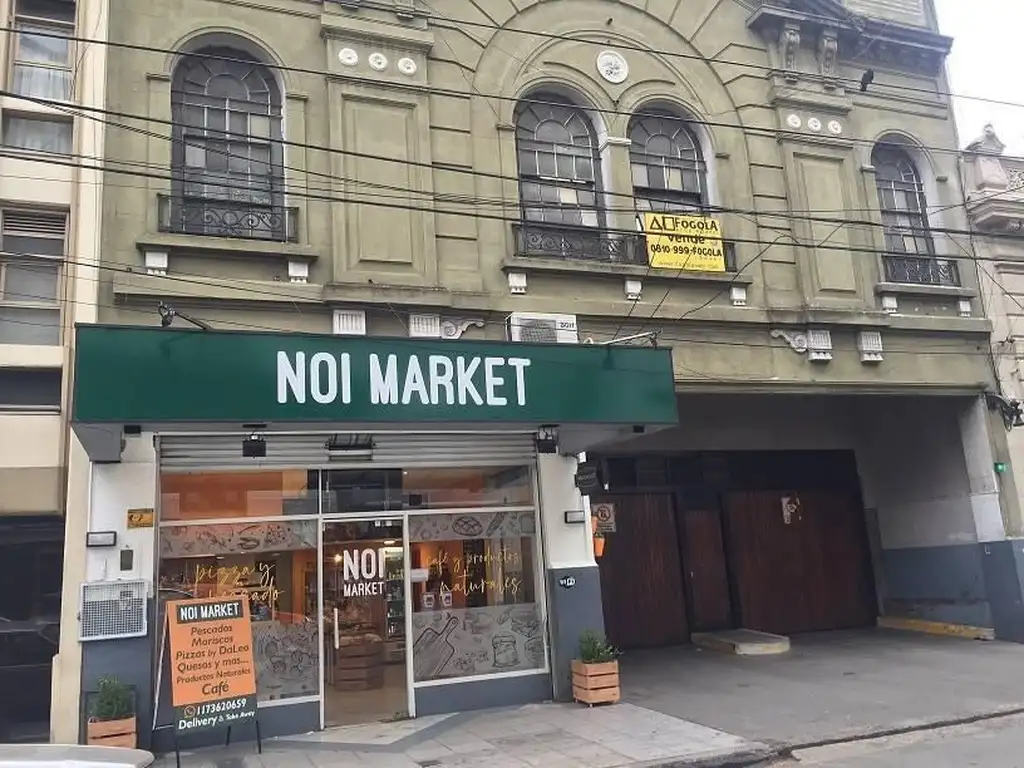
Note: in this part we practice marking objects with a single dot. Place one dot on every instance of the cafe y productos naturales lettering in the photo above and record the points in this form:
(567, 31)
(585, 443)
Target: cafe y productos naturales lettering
(425, 380)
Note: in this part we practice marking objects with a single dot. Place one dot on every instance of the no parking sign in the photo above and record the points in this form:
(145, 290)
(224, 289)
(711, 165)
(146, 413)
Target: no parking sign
(604, 514)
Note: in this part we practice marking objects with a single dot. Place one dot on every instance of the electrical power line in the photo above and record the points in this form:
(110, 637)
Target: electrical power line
(772, 133)
(504, 203)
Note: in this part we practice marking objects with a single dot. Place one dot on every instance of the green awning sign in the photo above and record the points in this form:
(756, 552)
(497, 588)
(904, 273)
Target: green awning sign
(134, 375)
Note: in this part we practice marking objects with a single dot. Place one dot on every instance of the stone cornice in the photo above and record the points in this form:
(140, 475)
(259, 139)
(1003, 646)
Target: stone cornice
(871, 41)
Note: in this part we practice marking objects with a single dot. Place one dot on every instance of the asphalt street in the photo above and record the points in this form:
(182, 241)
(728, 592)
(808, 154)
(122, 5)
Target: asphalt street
(997, 743)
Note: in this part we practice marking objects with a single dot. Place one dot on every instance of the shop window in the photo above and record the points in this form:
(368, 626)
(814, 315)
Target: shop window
(231, 495)
(274, 564)
(475, 589)
(42, 48)
(387, 490)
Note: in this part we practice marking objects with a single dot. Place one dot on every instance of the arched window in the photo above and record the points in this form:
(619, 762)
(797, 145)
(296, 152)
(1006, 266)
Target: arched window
(559, 169)
(227, 158)
(902, 202)
(666, 163)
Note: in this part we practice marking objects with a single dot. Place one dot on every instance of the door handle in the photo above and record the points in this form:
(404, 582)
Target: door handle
(337, 632)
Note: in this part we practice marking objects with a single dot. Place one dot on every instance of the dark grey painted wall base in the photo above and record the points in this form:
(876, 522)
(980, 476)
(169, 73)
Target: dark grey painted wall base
(131, 662)
(980, 585)
(285, 720)
(501, 692)
(571, 611)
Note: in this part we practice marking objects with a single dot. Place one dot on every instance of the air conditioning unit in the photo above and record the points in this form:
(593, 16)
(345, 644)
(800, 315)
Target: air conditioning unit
(542, 328)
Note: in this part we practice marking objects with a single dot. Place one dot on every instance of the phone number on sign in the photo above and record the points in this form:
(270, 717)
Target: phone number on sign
(684, 250)
(215, 707)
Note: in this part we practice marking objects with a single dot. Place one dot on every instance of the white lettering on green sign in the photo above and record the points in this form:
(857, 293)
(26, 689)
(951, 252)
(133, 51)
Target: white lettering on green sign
(438, 379)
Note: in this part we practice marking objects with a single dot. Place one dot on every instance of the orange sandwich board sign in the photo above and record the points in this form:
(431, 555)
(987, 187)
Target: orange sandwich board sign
(213, 674)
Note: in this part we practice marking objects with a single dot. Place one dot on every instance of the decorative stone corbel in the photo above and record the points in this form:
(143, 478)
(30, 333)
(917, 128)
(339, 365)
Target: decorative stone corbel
(633, 289)
(869, 344)
(517, 283)
(789, 44)
(828, 55)
(424, 326)
(454, 328)
(797, 340)
(819, 345)
(156, 262)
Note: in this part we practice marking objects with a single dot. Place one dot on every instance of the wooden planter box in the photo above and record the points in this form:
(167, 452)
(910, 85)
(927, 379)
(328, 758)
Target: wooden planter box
(112, 733)
(595, 683)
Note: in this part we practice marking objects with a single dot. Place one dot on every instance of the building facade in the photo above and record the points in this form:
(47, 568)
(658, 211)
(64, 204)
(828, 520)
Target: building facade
(995, 202)
(49, 225)
(770, 192)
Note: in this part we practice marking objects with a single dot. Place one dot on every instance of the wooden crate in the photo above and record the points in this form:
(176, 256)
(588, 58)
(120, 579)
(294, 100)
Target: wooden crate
(595, 683)
(359, 667)
(112, 733)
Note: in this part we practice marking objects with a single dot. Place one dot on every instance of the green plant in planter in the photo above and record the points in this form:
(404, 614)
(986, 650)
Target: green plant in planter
(114, 700)
(594, 649)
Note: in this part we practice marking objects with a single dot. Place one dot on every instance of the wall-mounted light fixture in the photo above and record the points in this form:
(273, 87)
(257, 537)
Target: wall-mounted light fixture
(254, 446)
(546, 440)
(575, 516)
(101, 539)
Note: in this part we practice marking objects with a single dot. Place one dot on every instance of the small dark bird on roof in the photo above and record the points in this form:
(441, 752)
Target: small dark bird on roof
(867, 79)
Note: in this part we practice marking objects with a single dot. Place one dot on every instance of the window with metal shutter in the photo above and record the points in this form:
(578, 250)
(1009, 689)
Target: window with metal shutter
(31, 253)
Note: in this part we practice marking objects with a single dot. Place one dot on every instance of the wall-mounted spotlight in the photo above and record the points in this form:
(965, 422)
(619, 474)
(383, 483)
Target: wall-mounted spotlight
(167, 315)
(546, 440)
(254, 446)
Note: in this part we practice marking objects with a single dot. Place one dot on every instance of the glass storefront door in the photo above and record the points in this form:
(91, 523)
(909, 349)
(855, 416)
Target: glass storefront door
(364, 620)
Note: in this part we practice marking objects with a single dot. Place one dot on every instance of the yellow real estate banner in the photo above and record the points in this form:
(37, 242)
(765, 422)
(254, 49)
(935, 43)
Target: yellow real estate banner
(691, 243)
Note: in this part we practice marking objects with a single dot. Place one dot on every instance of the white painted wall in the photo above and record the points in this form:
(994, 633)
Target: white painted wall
(116, 488)
(566, 545)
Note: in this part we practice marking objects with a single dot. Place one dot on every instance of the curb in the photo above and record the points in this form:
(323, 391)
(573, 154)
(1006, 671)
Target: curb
(740, 759)
(882, 732)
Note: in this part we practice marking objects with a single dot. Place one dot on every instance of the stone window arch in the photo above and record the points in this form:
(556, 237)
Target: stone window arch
(559, 163)
(227, 158)
(666, 163)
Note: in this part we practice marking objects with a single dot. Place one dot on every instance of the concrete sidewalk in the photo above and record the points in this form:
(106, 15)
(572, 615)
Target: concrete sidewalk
(545, 735)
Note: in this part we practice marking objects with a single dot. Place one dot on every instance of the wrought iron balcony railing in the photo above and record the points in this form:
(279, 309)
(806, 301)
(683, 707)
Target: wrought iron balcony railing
(227, 218)
(587, 243)
(920, 270)
(590, 244)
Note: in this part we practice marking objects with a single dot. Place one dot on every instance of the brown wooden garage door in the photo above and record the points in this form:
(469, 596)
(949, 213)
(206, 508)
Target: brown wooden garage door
(641, 578)
(810, 572)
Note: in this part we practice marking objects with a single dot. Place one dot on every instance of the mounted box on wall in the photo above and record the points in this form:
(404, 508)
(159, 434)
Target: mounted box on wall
(101, 539)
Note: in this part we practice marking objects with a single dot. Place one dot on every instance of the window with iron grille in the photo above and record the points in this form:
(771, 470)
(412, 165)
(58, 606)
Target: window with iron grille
(902, 203)
(559, 168)
(666, 164)
(227, 154)
(42, 49)
(31, 256)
